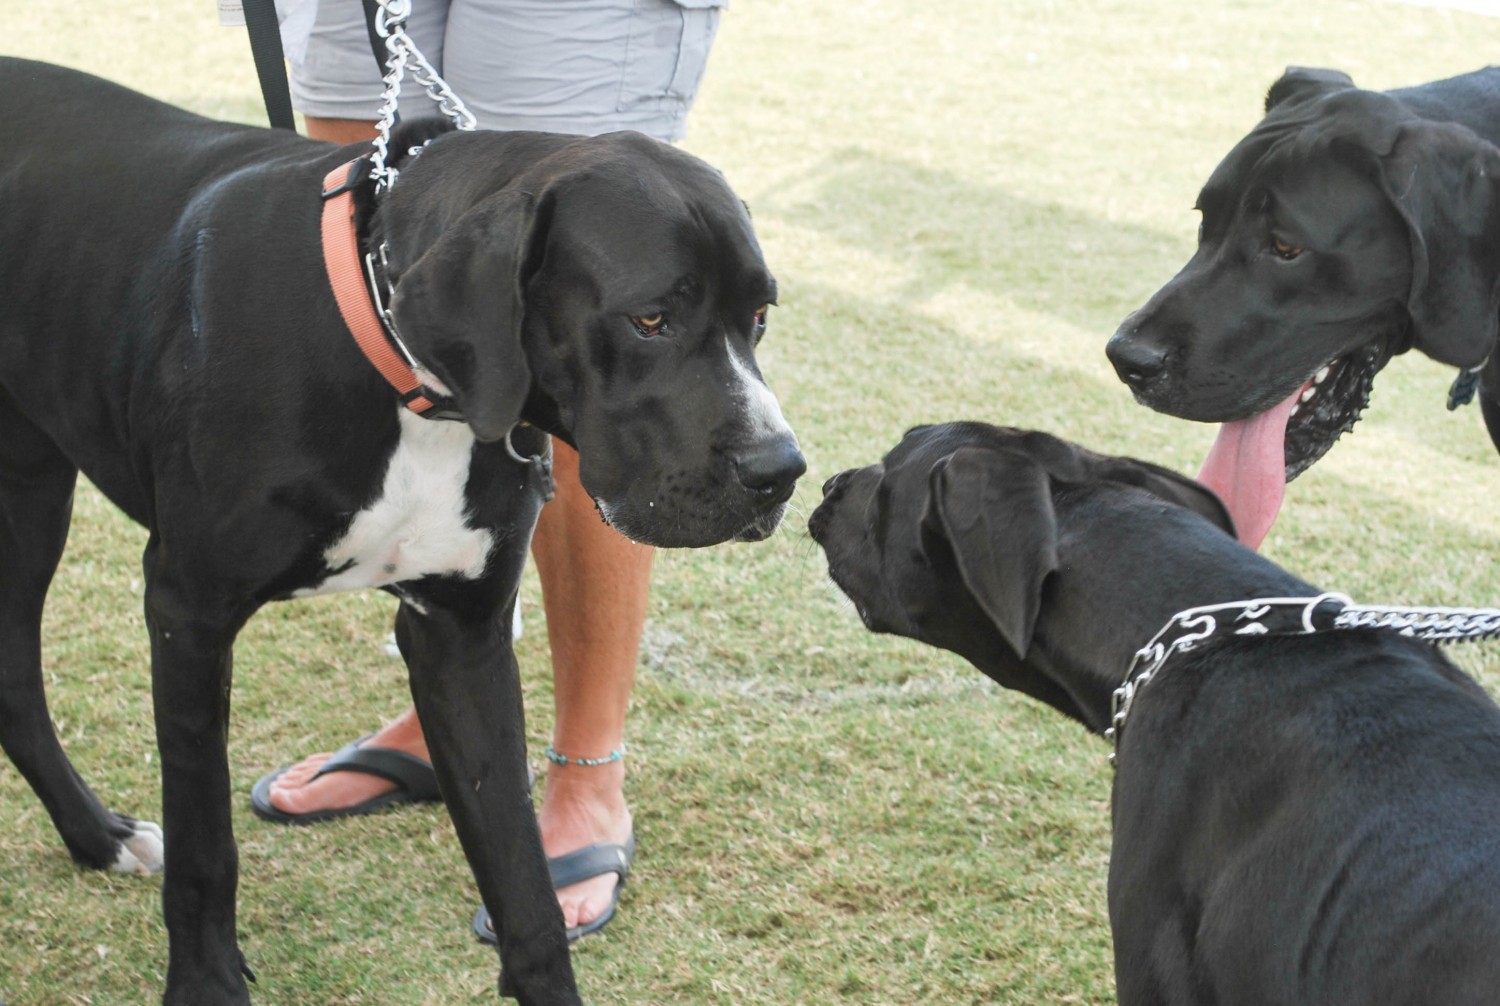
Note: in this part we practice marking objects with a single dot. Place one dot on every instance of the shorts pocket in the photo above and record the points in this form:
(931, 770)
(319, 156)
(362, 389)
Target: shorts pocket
(667, 53)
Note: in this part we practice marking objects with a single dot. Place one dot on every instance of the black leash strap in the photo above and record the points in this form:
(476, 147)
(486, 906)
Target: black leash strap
(377, 44)
(270, 61)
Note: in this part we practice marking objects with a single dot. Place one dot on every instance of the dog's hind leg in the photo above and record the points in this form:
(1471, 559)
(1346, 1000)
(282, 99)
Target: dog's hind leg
(36, 505)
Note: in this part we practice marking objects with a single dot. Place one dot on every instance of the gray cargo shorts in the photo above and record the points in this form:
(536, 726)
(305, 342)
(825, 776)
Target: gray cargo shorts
(567, 66)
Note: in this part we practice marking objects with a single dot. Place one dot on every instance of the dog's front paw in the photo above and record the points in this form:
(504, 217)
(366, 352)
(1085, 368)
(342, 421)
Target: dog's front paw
(142, 852)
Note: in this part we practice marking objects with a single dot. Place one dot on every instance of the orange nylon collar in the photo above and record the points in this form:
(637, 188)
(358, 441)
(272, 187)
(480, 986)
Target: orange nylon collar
(341, 259)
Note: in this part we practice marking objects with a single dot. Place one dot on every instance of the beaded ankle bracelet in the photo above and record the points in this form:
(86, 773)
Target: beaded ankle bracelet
(561, 759)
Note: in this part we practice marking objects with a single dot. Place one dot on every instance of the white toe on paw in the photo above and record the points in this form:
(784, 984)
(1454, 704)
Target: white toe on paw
(143, 853)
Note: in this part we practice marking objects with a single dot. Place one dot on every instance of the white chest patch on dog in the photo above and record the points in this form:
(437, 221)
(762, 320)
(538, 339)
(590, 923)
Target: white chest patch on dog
(418, 525)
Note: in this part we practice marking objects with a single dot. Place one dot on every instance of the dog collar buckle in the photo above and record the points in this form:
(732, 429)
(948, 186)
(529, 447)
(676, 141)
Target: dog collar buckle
(355, 173)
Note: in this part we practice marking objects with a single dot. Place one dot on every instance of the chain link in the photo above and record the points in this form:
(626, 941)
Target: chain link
(1442, 625)
(1186, 630)
(402, 54)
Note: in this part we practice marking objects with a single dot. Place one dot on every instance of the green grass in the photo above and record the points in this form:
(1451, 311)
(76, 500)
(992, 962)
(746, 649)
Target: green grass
(960, 202)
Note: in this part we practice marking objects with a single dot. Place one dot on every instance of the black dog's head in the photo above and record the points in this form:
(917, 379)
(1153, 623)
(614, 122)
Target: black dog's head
(954, 538)
(611, 291)
(1342, 230)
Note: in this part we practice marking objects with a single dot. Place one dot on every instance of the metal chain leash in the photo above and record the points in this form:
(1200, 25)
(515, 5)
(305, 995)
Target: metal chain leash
(1188, 629)
(402, 53)
(1441, 625)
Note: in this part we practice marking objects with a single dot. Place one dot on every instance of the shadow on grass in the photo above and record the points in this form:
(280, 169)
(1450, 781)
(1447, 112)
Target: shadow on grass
(1047, 257)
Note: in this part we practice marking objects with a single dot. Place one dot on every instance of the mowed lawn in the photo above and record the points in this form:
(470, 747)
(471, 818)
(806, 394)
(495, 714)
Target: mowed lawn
(960, 203)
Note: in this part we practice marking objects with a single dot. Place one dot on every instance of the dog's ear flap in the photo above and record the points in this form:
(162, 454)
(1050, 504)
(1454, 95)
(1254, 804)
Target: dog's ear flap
(1445, 183)
(996, 509)
(1299, 83)
(460, 306)
(1174, 487)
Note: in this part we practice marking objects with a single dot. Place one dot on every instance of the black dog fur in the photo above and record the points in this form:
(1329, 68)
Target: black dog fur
(1297, 820)
(169, 331)
(1347, 227)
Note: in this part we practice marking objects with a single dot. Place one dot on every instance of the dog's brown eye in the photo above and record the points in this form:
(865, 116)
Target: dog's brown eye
(760, 315)
(1285, 252)
(654, 324)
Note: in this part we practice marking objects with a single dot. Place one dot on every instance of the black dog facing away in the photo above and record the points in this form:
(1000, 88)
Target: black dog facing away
(169, 330)
(1347, 227)
(1298, 820)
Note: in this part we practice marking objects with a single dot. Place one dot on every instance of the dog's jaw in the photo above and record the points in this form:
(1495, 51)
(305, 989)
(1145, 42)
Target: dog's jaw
(1335, 404)
(763, 526)
(717, 524)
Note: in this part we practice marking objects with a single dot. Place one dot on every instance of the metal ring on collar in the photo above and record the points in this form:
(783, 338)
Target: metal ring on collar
(515, 455)
(1332, 595)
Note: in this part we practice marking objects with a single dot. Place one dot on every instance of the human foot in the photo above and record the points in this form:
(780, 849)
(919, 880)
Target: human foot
(586, 832)
(584, 805)
(389, 766)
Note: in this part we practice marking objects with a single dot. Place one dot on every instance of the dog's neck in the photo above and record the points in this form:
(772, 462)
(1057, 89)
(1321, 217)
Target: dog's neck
(1091, 625)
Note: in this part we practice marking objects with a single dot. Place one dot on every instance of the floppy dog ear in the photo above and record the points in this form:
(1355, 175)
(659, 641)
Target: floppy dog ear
(1175, 488)
(1442, 179)
(996, 509)
(1299, 83)
(459, 309)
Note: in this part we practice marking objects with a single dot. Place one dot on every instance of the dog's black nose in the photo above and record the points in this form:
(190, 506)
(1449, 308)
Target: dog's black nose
(771, 469)
(1137, 362)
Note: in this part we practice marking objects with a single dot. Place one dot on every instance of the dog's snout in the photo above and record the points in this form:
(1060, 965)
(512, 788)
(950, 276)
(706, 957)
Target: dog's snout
(771, 469)
(833, 483)
(1137, 361)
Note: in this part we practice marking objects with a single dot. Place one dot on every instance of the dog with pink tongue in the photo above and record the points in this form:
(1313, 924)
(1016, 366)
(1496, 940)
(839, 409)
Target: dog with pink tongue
(1348, 227)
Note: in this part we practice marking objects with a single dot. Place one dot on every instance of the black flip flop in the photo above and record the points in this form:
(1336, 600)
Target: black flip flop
(572, 868)
(413, 777)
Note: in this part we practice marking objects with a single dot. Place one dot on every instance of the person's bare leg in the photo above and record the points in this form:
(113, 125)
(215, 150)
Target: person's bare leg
(340, 130)
(595, 587)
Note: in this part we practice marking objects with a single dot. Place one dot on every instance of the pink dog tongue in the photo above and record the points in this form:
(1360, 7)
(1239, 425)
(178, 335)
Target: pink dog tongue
(1246, 467)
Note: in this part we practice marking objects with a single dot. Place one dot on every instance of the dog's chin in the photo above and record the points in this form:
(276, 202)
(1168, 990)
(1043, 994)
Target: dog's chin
(662, 528)
(860, 610)
(1338, 398)
(763, 526)
(868, 605)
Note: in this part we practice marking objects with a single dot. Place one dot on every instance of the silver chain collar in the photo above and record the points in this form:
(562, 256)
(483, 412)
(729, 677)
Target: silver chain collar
(402, 53)
(1187, 630)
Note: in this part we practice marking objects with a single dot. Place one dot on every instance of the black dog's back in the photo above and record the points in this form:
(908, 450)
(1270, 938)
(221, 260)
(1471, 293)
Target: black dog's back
(176, 195)
(160, 151)
(1470, 99)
